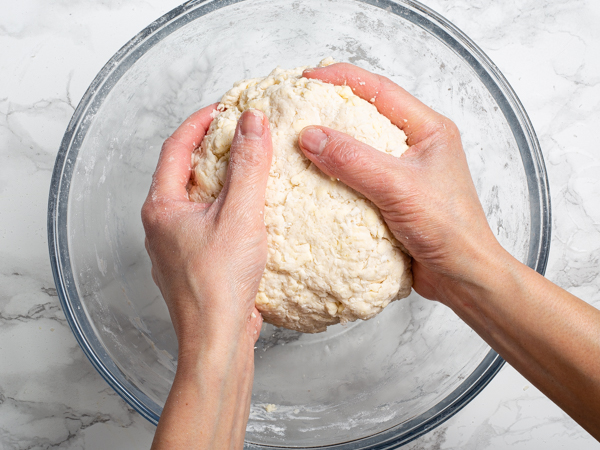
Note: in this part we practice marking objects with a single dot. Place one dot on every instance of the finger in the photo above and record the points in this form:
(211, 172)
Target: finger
(405, 111)
(373, 173)
(249, 164)
(174, 163)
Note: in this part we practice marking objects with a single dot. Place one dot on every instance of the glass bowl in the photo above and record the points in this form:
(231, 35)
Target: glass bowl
(374, 384)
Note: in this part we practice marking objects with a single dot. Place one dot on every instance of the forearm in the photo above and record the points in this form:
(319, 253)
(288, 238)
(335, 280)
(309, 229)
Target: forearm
(209, 401)
(547, 334)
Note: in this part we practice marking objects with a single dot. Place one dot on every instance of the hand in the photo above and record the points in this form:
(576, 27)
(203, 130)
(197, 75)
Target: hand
(426, 196)
(207, 260)
(429, 202)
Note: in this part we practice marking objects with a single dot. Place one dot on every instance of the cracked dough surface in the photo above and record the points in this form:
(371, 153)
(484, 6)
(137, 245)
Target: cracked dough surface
(331, 257)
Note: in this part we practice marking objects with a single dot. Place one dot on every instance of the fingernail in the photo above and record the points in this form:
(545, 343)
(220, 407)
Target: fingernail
(313, 140)
(252, 125)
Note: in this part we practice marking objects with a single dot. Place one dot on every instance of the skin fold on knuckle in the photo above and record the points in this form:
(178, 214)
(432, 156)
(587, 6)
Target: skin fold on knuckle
(385, 87)
(395, 200)
(340, 154)
(444, 130)
(169, 143)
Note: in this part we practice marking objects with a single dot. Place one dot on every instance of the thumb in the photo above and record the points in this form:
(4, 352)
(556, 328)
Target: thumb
(249, 164)
(374, 174)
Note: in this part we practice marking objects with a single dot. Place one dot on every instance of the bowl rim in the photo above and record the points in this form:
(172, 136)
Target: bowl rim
(411, 10)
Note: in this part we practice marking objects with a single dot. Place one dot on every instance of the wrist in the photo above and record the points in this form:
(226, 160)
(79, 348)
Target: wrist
(213, 342)
(210, 398)
(217, 369)
(491, 299)
(484, 272)
(211, 322)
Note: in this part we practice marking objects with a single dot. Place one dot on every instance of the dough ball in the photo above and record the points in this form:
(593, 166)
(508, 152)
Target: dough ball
(331, 257)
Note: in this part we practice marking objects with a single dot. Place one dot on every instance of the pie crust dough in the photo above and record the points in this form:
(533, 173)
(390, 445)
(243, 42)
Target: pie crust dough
(331, 257)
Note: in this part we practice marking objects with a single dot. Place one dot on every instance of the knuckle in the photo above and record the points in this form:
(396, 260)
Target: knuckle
(154, 215)
(385, 88)
(385, 85)
(169, 145)
(452, 130)
(343, 153)
(169, 142)
(147, 213)
(444, 129)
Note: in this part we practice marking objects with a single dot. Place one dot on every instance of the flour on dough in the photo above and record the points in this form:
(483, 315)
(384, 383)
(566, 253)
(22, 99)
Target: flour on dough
(331, 257)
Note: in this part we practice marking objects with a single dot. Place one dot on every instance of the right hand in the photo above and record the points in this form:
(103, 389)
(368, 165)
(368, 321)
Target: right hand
(426, 196)
(428, 199)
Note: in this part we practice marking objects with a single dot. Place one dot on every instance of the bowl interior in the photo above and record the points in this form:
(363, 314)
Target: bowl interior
(353, 381)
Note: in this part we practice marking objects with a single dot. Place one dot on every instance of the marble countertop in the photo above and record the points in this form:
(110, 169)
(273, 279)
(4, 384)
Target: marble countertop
(51, 396)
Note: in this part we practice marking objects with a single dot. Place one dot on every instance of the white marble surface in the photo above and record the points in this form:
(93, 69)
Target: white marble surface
(50, 50)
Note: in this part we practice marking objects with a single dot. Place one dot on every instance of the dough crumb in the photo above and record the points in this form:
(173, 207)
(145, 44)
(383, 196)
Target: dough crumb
(327, 62)
(270, 407)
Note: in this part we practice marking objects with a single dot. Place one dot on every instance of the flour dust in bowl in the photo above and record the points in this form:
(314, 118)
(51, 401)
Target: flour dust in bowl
(374, 384)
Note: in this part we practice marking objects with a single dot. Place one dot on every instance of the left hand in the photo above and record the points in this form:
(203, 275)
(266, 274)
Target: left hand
(208, 259)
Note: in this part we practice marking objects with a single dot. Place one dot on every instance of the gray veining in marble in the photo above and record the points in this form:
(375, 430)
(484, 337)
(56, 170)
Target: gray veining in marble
(50, 395)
